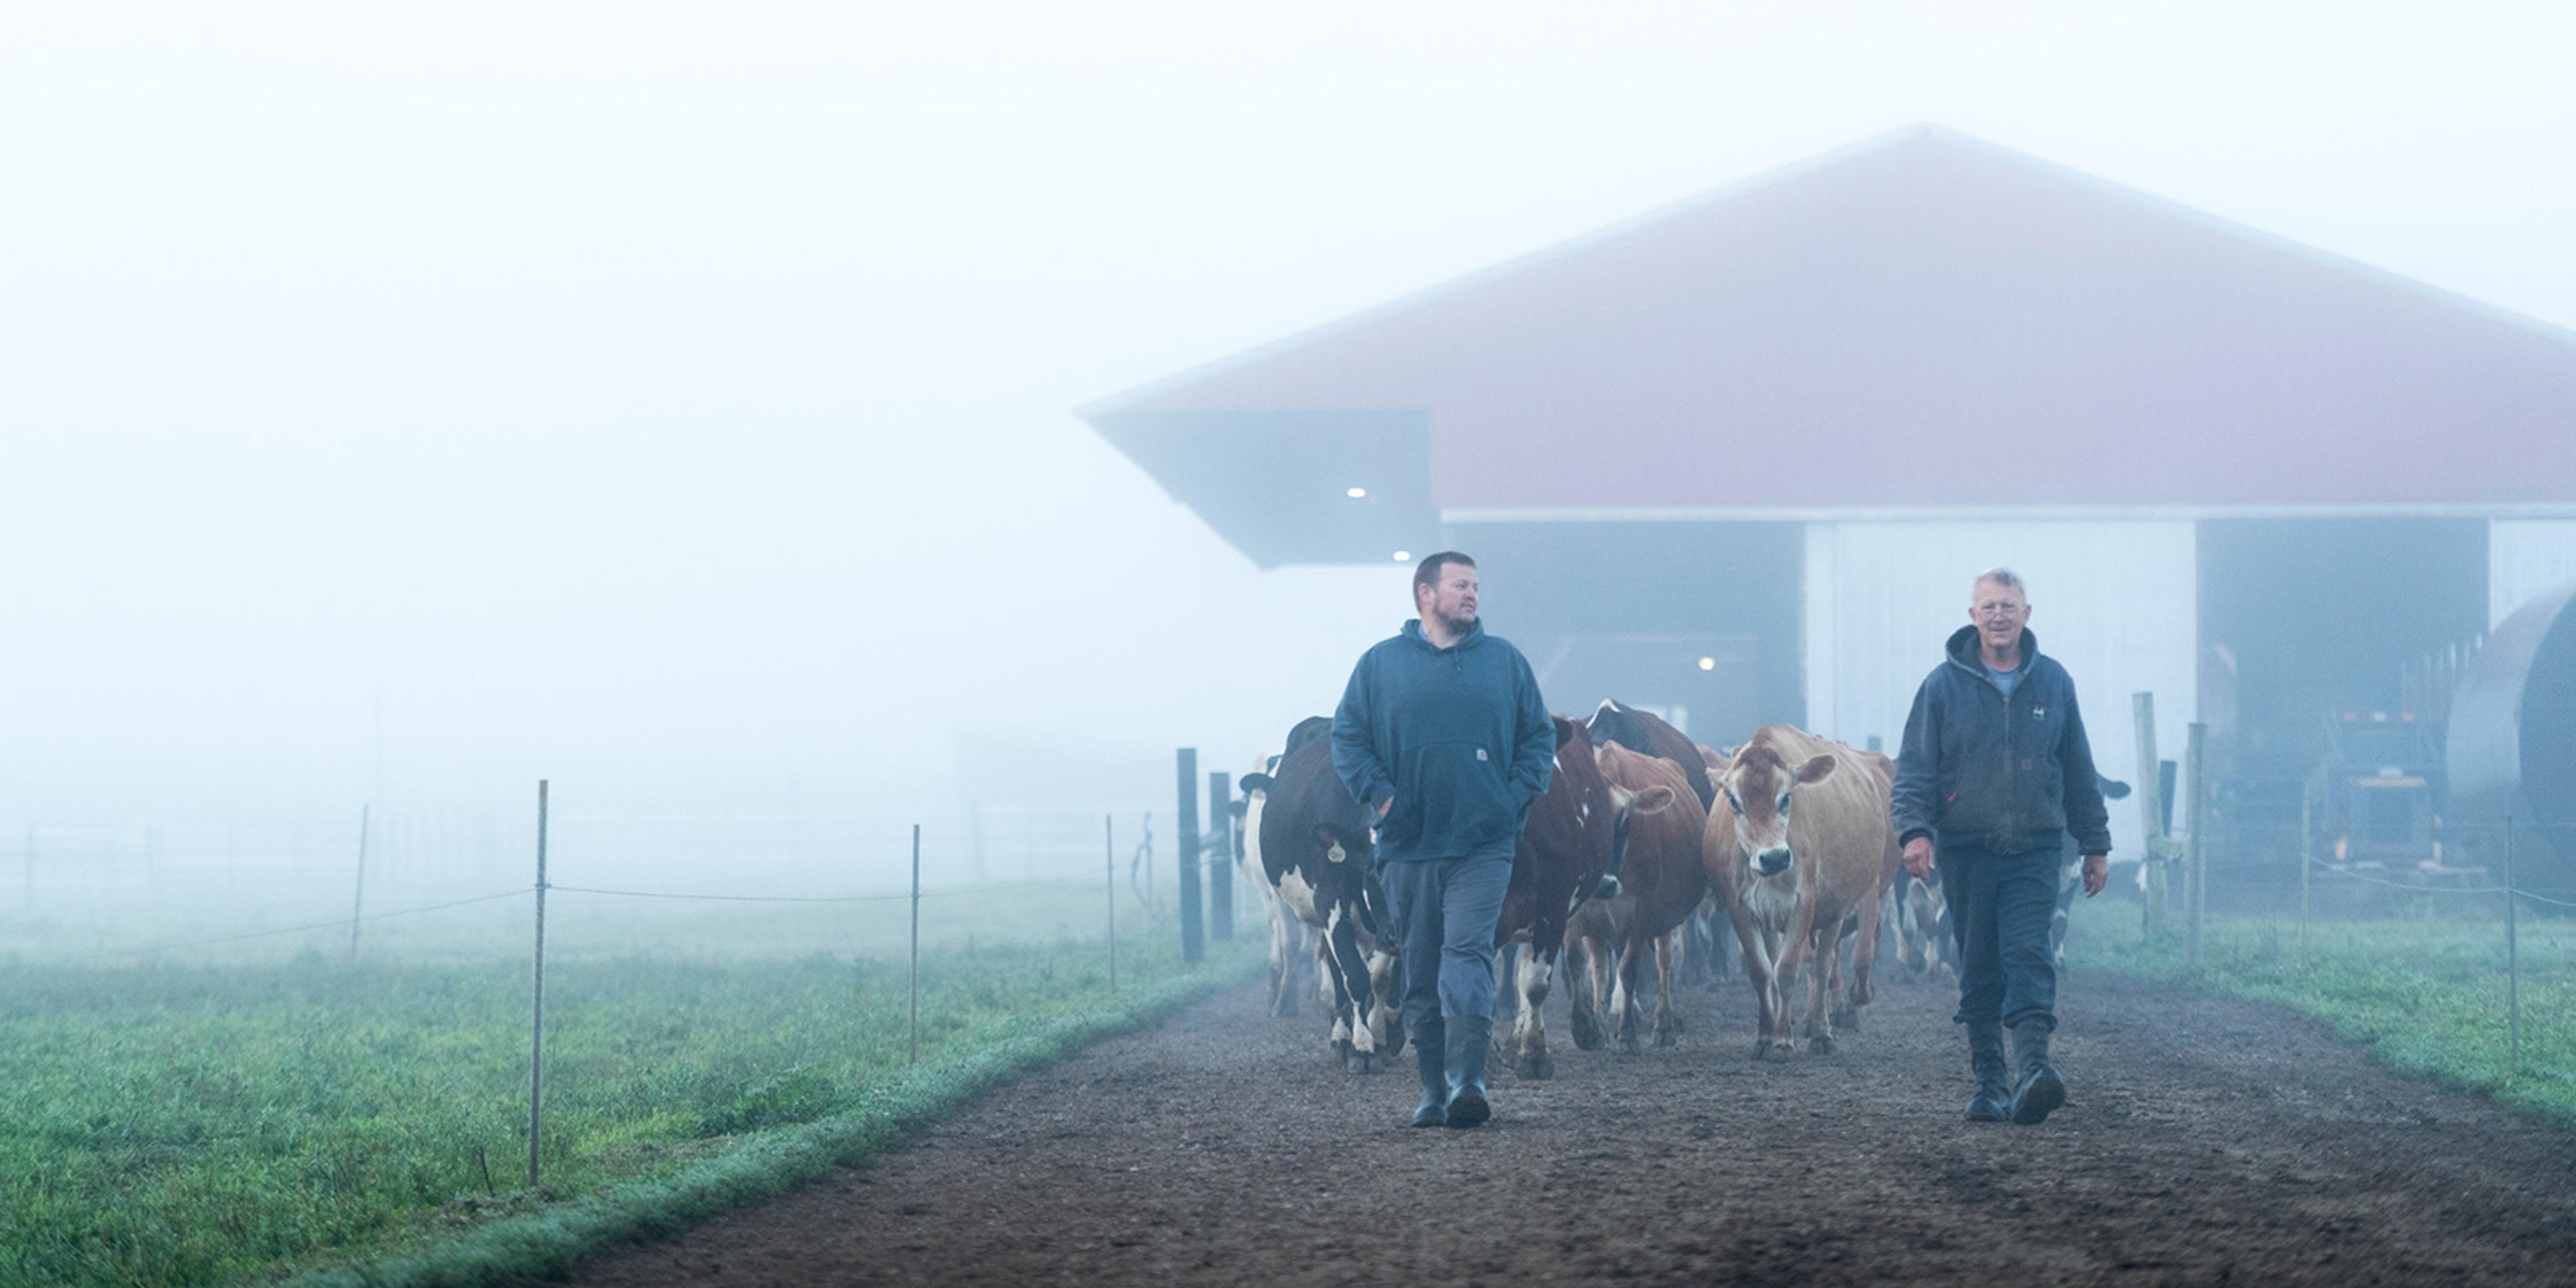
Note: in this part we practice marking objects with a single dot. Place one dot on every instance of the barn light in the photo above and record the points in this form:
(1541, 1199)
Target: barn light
(1357, 493)
(1403, 556)
(1708, 664)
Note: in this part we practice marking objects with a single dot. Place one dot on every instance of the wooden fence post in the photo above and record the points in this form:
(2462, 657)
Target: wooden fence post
(1185, 848)
(912, 1050)
(1109, 856)
(2512, 954)
(2196, 881)
(358, 901)
(537, 1012)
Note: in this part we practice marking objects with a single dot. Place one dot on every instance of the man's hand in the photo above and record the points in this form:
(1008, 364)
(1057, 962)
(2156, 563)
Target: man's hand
(1383, 806)
(1918, 857)
(2097, 873)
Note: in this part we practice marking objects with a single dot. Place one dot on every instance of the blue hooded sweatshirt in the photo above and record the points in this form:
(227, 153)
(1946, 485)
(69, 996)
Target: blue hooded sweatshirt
(2008, 773)
(1458, 736)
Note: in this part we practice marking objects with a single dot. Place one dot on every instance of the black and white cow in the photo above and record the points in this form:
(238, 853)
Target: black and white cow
(1314, 852)
(1923, 935)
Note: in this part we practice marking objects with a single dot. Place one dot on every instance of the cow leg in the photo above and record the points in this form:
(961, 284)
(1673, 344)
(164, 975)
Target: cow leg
(1287, 947)
(1584, 970)
(1350, 971)
(1623, 998)
(1821, 973)
(1864, 955)
(1668, 1022)
(1386, 1017)
(2070, 878)
(1537, 972)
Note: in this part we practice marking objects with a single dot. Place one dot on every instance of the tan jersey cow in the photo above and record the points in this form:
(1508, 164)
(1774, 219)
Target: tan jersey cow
(1800, 849)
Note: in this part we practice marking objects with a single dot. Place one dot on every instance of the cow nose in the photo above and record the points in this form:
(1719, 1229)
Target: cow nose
(1772, 861)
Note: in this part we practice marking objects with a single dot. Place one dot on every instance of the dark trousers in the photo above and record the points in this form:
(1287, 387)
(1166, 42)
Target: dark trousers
(1445, 912)
(2000, 907)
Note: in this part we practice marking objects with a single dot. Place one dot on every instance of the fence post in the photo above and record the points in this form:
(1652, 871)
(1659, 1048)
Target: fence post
(1185, 848)
(358, 901)
(1109, 856)
(2307, 849)
(2512, 954)
(2196, 889)
(537, 1021)
(913, 1046)
(2151, 813)
(1221, 870)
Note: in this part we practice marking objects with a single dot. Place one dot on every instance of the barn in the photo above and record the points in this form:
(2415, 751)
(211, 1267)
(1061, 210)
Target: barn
(1738, 459)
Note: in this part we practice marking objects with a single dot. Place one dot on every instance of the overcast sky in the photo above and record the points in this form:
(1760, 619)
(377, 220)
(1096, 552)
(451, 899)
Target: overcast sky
(677, 398)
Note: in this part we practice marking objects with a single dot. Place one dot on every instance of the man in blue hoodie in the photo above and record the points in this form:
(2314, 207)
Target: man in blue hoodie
(1996, 771)
(1442, 735)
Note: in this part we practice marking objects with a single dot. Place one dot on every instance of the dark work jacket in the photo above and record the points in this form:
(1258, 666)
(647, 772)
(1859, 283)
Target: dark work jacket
(1458, 736)
(2007, 776)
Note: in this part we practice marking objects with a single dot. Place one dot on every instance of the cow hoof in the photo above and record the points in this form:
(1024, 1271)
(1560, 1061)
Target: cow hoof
(1535, 1067)
(1664, 1037)
(1358, 1062)
(1287, 1007)
(1761, 1048)
(1783, 1048)
(1587, 1037)
(1820, 1045)
(1846, 1021)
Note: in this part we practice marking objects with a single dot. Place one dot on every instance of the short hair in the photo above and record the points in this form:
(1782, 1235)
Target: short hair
(1427, 572)
(2004, 577)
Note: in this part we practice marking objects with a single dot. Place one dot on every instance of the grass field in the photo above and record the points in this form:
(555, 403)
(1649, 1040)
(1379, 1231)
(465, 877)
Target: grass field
(203, 1123)
(2426, 992)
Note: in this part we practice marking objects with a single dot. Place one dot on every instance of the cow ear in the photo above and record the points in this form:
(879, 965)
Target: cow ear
(1816, 771)
(1251, 783)
(1330, 837)
(1653, 800)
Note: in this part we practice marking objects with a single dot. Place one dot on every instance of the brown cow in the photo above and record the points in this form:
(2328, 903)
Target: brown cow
(1661, 884)
(1569, 852)
(1800, 849)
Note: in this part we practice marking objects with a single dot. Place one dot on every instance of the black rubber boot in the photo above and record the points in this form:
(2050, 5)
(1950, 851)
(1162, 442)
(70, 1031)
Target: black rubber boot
(2037, 1090)
(1465, 1065)
(1429, 1048)
(1986, 1057)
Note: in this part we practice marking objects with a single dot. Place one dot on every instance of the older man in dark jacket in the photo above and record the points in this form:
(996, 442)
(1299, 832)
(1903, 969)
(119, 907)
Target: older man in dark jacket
(1442, 735)
(1997, 771)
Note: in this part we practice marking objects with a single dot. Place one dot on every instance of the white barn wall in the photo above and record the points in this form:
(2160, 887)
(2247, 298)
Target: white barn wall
(2524, 558)
(2114, 602)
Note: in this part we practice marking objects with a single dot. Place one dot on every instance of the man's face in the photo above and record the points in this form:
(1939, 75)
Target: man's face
(1999, 613)
(1452, 599)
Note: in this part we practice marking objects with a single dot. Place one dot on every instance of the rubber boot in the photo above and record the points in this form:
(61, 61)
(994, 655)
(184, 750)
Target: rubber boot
(1464, 1063)
(2037, 1090)
(1429, 1048)
(1986, 1057)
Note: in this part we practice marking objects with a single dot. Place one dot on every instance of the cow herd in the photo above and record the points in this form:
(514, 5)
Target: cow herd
(1645, 846)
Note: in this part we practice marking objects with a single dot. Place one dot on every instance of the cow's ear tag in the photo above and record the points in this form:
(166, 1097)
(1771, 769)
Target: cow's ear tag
(1480, 753)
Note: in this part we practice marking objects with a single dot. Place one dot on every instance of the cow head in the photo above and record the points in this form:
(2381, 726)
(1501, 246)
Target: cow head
(1758, 786)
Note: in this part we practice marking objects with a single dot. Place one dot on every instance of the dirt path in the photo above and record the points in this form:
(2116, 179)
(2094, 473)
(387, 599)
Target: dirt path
(2205, 1140)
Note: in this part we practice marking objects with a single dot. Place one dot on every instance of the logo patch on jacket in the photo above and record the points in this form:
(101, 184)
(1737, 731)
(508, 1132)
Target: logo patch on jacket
(2039, 713)
(1480, 753)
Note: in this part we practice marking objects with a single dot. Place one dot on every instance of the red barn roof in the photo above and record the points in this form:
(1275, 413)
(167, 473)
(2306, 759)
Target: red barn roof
(1922, 324)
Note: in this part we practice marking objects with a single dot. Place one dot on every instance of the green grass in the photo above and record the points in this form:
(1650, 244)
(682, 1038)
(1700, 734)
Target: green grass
(2426, 992)
(168, 1124)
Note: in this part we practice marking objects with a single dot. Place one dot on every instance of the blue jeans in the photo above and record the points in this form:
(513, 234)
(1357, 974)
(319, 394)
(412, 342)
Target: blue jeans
(2000, 907)
(1445, 912)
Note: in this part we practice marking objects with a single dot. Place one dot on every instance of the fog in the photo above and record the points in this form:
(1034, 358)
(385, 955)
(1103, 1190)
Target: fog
(676, 404)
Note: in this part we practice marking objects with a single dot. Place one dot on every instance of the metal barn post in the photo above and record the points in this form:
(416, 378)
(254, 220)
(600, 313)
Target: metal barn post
(1186, 847)
(537, 1021)
(913, 1043)
(2512, 954)
(1109, 859)
(358, 901)
(2151, 812)
(2196, 889)
(1221, 868)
